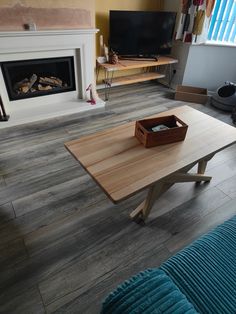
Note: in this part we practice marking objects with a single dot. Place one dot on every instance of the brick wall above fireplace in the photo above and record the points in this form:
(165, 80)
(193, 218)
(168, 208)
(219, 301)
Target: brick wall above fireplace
(47, 14)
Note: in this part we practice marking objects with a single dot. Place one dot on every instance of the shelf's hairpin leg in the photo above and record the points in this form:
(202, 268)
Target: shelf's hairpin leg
(108, 83)
(170, 74)
(97, 72)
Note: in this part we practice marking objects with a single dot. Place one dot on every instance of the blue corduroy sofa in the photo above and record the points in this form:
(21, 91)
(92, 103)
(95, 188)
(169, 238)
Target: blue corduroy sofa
(199, 279)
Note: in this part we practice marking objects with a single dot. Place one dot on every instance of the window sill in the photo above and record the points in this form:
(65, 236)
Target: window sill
(208, 43)
(219, 44)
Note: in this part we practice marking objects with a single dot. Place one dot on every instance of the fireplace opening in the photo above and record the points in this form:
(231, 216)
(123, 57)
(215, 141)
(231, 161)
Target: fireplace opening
(38, 77)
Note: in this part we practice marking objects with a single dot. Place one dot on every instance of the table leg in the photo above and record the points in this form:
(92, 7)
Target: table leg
(203, 164)
(144, 209)
(155, 191)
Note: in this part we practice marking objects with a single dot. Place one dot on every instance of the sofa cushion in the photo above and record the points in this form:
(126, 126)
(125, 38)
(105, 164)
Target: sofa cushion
(205, 271)
(199, 279)
(151, 291)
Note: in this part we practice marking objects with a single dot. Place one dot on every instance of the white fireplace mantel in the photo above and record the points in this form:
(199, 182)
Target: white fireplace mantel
(28, 45)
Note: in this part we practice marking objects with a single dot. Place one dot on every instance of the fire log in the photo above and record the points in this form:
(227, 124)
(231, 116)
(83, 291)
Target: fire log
(33, 79)
(52, 81)
(18, 85)
(41, 87)
(25, 85)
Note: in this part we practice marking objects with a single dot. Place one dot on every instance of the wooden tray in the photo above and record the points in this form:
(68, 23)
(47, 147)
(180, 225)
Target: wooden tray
(176, 132)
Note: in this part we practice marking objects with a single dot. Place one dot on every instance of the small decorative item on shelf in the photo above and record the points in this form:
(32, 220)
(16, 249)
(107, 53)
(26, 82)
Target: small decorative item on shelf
(113, 57)
(101, 60)
(104, 56)
(106, 53)
(160, 131)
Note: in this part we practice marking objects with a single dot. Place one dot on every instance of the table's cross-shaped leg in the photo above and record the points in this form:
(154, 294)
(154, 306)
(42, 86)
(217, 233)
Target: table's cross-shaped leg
(144, 209)
(159, 188)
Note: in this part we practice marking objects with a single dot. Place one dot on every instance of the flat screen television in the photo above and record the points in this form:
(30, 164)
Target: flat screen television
(141, 33)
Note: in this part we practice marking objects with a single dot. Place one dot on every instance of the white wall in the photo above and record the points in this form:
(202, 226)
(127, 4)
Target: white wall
(180, 52)
(210, 66)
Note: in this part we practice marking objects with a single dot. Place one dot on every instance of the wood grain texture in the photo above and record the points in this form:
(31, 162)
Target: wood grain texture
(63, 244)
(125, 65)
(122, 166)
(6, 212)
(24, 302)
(148, 69)
(135, 78)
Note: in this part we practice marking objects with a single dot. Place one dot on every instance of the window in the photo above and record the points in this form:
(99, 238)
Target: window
(223, 22)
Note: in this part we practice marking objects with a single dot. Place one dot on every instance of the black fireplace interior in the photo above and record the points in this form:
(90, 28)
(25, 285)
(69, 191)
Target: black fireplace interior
(38, 77)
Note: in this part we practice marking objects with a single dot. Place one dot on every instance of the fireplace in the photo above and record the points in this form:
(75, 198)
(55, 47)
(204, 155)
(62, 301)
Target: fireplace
(56, 66)
(38, 77)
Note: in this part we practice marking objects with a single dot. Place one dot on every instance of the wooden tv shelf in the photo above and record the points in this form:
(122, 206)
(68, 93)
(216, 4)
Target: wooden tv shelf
(151, 71)
(135, 78)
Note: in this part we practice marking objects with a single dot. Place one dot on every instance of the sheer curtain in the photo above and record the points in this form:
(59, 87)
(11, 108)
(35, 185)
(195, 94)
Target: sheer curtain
(194, 20)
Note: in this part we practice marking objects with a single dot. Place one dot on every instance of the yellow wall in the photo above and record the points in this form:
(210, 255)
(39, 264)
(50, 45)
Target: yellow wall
(102, 8)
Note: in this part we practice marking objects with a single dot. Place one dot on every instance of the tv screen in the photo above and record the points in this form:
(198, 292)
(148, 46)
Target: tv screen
(139, 33)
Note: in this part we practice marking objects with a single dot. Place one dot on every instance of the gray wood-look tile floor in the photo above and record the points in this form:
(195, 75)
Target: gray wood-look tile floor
(63, 244)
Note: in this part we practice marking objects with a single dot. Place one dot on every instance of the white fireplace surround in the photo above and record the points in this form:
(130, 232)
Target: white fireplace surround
(80, 44)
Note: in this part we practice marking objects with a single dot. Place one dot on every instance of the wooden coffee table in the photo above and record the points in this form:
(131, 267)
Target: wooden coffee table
(122, 166)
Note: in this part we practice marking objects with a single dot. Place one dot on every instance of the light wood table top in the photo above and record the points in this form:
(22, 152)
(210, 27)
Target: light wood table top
(122, 166)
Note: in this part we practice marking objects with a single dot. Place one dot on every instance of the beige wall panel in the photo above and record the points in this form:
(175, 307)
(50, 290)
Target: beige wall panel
(47, 14)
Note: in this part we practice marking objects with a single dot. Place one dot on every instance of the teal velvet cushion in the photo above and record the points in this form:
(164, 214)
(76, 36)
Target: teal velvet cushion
(199, 279)
(205, 271)
(151, 291)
